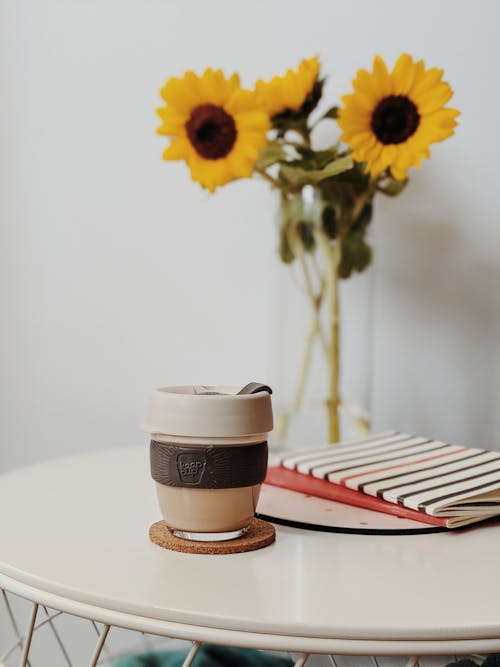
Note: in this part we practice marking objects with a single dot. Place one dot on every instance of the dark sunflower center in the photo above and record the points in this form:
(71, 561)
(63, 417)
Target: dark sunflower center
(211, 131)
(394, 119)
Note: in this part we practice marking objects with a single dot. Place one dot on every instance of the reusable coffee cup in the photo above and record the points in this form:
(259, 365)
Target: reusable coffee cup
(209, 456)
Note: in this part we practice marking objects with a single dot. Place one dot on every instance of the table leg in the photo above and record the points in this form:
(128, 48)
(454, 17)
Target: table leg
(13, 621)
(413, 661)
(29, 636)
(105, 649)
(302, 660)
(191, 655)
(99, 646)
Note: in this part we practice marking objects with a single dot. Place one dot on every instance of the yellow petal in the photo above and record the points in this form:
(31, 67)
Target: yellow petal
(182, 93)
(215, 88)
(214, 173)
(434, 99)
(361, 139)
(427, 81)
(378, 165)
(173, 121)
(240, 165)
(373, 155)
(401, 164)
(403, 74)
(242, 100)
(389, 153)
(179, 149)
(253, 120)
(381, 77)
(290, 90)
(399, 173)
(365, 88)
(248, 148)
(439, 125)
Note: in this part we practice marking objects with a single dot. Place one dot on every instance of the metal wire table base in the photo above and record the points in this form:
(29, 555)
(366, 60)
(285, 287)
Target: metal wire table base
(43, 617)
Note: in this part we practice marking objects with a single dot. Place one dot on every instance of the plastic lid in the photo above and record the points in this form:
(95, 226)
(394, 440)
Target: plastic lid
(209, 411)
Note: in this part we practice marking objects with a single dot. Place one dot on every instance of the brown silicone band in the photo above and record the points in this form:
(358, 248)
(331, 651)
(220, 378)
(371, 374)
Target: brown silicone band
(208, 466)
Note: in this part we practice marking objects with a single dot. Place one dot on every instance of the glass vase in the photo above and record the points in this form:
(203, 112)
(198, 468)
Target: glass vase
(322, 350)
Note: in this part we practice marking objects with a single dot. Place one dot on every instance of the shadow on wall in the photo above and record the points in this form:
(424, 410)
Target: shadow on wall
(438, 315)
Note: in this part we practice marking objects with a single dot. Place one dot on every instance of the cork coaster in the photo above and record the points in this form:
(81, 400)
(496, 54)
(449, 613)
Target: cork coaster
(259, 535)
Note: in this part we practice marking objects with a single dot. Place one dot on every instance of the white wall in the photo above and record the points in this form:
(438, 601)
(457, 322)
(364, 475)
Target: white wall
(118, 275)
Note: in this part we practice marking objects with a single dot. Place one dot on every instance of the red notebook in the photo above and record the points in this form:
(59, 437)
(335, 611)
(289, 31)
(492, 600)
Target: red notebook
(296, 481)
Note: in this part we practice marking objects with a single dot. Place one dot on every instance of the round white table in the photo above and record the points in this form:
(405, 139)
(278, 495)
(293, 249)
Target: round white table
(74, 537)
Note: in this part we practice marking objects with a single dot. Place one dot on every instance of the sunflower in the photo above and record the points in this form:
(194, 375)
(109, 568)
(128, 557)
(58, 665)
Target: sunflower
(390, 120)
(291, 91)
(217, 127)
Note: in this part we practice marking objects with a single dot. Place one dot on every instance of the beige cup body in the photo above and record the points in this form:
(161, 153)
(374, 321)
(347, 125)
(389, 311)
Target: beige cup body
(201, 510)
(207, 510)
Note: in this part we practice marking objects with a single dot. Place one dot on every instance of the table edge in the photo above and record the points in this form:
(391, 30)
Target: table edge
(258, 640)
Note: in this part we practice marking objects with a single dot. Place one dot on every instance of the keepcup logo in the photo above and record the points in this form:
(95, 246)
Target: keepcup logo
(190, 467)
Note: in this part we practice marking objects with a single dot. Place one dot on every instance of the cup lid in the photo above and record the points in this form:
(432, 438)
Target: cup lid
(209, 411)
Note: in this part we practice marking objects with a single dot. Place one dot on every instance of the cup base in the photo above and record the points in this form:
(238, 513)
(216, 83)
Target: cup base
(210, 537)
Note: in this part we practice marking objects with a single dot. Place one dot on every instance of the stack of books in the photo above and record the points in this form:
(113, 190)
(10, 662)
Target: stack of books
(397, 473)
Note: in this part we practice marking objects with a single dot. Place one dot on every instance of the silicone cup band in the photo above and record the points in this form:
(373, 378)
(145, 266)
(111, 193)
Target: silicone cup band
(208, 466)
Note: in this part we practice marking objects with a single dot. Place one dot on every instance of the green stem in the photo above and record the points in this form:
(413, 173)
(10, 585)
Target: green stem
(315, 300)
(304, 368)
(363, 199)
(314, 330)
(333, 255)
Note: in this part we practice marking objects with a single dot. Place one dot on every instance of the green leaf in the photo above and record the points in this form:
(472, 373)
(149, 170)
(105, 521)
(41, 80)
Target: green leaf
(333, 113)
(315, 159)
(329, 222)
(341, 197)
(353, 181)
(273, 153)
(391, 187)
(298, 175)
(356, 255)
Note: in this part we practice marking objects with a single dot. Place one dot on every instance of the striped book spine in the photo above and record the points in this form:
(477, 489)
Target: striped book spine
(419, 474)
